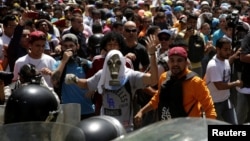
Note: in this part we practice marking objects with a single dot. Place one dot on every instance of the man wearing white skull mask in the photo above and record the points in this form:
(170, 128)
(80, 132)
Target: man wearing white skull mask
(117, 84)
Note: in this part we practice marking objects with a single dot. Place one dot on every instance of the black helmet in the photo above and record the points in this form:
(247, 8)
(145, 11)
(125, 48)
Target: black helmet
(29, 73)
(94, 43)
(31, 103)
(102, 127)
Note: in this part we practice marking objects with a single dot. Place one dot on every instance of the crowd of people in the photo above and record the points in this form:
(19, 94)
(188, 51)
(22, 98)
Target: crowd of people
(139, 61)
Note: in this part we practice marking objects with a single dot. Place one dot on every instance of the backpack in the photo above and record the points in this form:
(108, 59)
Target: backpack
(161, 61)
(196, 47)
(171, 99)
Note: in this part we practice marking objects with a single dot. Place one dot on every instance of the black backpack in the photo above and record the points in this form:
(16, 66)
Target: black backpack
(196, 47)
(171, 99)
(162, 61)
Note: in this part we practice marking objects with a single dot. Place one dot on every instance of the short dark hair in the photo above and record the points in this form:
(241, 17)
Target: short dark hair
(96, 27)
(152, 29)
(113, 36)
(220, 42)
(8, 18)
(116, 24)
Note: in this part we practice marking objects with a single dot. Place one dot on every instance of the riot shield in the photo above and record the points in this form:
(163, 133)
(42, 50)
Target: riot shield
(70, 113)
(40, 131)
(179, 129)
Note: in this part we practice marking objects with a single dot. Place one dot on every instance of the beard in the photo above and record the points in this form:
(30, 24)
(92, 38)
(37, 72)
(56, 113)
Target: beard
(177, 71)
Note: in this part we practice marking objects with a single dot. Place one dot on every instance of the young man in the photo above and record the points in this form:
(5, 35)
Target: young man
(217, 77)
(43, 63)
(192, 94)
(195, 41)
(117, 84)
(72, 63)
(110, 41)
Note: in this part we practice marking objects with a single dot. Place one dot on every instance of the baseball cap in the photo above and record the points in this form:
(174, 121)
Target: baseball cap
(167, 7)
(37, 35)
(70, 37)
(204, 3)
(178, 8)
(180, 51)
(165, 31)
(183, 19)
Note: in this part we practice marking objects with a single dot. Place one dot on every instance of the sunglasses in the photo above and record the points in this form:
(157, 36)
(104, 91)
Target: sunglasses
(164, 39)
(130, 30)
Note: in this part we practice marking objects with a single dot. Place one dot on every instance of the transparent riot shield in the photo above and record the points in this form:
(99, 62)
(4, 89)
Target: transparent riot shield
(179, 129)
(40, 131)
(70, 113)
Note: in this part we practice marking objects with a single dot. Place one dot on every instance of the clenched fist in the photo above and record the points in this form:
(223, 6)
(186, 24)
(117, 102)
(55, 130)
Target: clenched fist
(71, 79)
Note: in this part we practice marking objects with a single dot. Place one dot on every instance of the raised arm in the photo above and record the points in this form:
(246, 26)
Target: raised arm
(57, 74)
(151, 78)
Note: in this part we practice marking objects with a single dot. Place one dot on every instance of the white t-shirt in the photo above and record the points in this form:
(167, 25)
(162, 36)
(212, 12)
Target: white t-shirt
(4, 40)
(45, 61)
(217, 71)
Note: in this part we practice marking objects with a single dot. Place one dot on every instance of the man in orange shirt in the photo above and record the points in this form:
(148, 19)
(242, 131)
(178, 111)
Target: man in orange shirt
(193, 92)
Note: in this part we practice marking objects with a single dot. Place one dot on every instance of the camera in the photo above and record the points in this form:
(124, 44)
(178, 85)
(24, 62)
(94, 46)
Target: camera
(233, 19)
(29, 74)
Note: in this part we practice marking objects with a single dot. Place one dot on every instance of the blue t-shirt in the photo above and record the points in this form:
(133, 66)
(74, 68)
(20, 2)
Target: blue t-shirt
(217, 35)
(74, 94)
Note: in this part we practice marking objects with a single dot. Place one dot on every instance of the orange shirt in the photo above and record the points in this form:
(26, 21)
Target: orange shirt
(195, 92)
(142, 33)
(1, 67)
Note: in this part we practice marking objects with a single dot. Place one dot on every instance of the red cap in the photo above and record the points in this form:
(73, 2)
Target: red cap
(180, 51)
(37, 35)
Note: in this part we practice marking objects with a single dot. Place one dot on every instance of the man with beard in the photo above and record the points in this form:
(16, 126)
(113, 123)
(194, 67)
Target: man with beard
(218, 76)
(72, 63)
(176, 91)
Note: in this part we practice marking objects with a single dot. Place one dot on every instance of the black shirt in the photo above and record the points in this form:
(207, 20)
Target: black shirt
(141, 56)
(245, 75)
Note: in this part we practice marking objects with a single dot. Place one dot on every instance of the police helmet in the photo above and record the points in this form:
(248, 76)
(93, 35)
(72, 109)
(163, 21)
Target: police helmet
(29, 73)
(94, 43)
(31, 103)
(103, 128)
